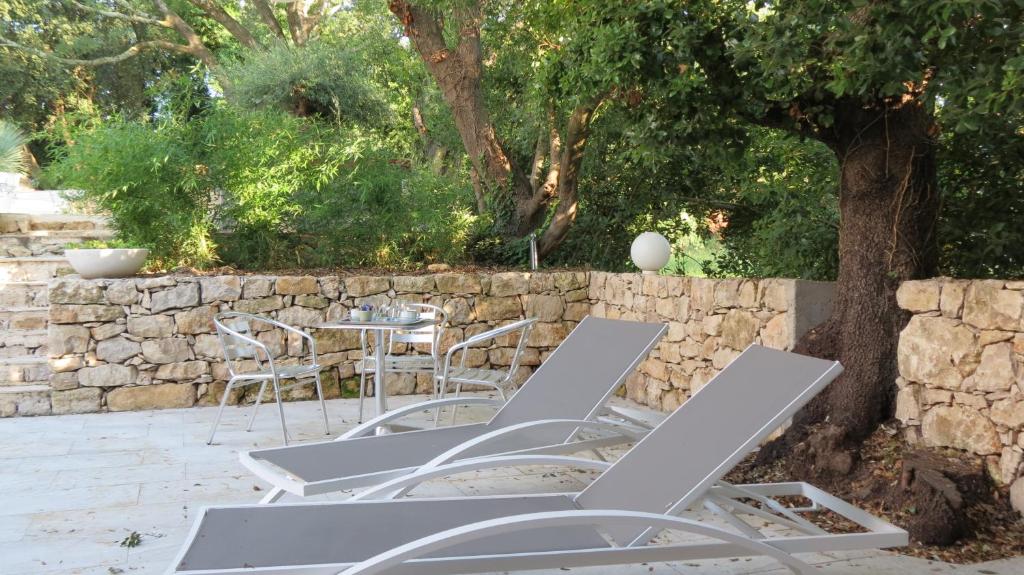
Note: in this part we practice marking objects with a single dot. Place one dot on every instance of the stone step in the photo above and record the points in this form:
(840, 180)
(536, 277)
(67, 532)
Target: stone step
(33, 268)
(46, 242)
(13, 223)
(25, 400)
(25, 342)
(19, 295)
(25, 370)
(24, 318)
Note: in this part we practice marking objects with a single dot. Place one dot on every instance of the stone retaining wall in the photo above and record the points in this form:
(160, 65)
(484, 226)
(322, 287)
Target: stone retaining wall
(146, 343)
(709, 323)
(961, 361)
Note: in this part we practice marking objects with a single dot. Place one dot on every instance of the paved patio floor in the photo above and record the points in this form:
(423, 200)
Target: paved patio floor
(73, 487)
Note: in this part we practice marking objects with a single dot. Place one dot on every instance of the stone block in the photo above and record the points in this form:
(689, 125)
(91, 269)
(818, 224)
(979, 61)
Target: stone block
(64, 381)
(998, 368)
(117, 350)
(937, 350)
(220, 288)
(509, 283)
(545, 307)
(196, 320)
(576, 311)
(919, 295)
(296, 285)
(739, 328)
(1017, 495)
(82, 400)
(908, 404)
(109, 375)
(73, 313)
(414, 284)
(1009, 412)
(359, 286)
(67, 339)
(123, 292)
(547, 334)
(64, 364)
(151, 326)
(313, 301)
(951, 303)
(257, 287)
(988, 306)
(75, 291)
(496, 308)
(457, 283)
(165, 350)
(183, 295)
(182, 371)
(259, 305)
(297, 316)
(962, 428)
(107, 331)
(158, 396)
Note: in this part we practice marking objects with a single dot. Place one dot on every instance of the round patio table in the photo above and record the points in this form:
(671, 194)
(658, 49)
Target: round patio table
(379, 327)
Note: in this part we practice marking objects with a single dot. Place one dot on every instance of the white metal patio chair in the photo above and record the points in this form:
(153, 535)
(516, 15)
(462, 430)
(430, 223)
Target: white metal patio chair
(406, 363)
(237, 334)
(574, 383)
(499, 379)
(677, 468)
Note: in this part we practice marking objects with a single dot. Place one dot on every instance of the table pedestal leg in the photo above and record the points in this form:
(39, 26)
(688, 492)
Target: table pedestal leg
(378, 379)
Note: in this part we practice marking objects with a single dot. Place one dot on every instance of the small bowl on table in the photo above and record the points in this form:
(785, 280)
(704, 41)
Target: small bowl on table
(361, 315)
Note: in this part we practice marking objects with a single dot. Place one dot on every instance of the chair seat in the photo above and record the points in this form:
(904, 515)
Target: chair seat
(476, 375)
(401, 363)
(284, 372)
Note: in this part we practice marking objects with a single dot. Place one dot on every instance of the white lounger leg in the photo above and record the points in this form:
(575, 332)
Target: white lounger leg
(274, 494)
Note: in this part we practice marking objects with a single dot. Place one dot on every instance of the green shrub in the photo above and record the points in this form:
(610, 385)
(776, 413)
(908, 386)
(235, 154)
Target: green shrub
(149, 181)
(12, 149)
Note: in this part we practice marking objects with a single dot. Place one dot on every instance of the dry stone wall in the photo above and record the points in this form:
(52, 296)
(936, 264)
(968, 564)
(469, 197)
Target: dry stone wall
(709, 323)
(961, 362)
(144, 343)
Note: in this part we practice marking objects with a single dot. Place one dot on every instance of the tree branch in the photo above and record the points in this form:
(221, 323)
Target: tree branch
(131, 51)
(267, 15)
(240, 32)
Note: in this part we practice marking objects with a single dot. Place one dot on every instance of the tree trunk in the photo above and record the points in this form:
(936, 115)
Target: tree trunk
(888, 201)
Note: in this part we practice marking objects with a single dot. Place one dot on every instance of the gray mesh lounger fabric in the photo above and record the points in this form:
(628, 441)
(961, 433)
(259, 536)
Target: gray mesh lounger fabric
(574, 383)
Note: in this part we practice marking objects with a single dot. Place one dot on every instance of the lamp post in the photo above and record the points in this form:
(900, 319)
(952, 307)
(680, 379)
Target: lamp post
(650, 252)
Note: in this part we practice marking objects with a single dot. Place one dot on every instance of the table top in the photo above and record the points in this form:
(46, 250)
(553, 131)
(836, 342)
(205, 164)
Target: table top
(377, 324)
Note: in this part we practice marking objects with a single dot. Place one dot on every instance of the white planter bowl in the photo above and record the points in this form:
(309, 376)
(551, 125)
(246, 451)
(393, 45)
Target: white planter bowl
(107, 263)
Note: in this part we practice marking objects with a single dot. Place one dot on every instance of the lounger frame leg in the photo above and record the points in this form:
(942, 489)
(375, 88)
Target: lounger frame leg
(273, 496)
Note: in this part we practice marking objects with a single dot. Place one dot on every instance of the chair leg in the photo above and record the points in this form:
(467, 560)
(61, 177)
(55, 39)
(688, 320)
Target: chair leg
(256, 407)
(323, 406)
(220, 411)
(280, 408)
(362, 391)
(455, 408)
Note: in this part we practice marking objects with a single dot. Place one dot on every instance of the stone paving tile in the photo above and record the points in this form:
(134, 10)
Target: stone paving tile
(153, 473)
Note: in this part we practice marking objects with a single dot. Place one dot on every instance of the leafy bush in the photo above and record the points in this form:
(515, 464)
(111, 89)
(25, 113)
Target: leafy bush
(12, 149)
(265, 189)
(148, 179)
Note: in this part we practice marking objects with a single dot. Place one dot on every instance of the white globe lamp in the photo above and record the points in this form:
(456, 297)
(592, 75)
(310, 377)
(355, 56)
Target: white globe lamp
(650, 252)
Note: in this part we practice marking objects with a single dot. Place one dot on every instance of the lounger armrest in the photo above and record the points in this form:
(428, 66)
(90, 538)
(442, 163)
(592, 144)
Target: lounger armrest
(402, 485)
(367, 428)
(463, 534)
(572, 427)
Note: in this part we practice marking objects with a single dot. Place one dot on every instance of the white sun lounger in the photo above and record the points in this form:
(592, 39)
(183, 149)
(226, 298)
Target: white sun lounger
(564, 396)
(676, 467)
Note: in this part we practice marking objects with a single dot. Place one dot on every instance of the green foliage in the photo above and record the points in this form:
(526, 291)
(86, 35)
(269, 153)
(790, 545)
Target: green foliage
(12, 148)
(780, 202)
(100, 245)
(320, 78)
(272, 189)
(147, 179)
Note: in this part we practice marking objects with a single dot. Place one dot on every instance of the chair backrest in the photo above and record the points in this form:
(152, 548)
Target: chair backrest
(583, 372)
(677, 462)
(430, 334)
(237, 338)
